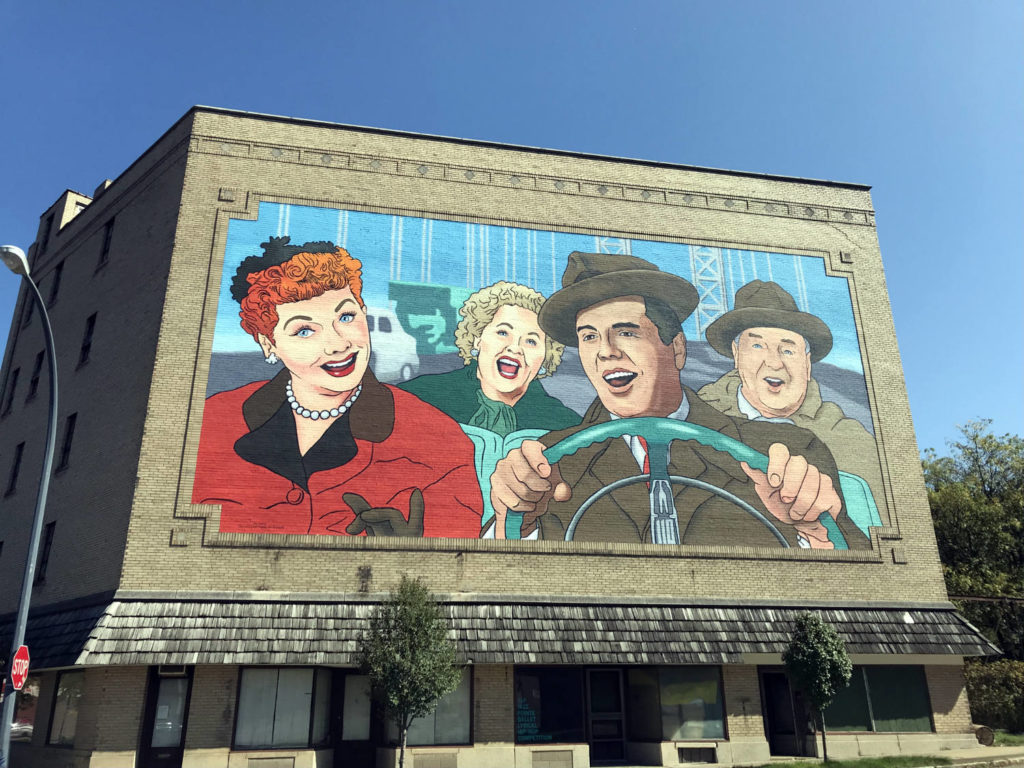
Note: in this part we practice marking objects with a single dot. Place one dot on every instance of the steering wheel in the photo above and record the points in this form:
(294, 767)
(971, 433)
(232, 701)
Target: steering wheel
(659, 434)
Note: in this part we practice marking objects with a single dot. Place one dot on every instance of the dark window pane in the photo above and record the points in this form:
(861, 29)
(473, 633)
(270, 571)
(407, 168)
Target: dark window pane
(12, 478)
(549, 705)
(644, 708)
(370, 319)
(90, 328)
(385, 325)
(44, 553)
(849, 709)
(12, 384)
(69, 436)
(65, 708)
(108, 232)
(55, 283)
(899, 699)
(33, 383)
(25, 709)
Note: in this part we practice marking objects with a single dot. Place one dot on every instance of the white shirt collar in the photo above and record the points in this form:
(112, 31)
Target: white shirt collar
(755, 415)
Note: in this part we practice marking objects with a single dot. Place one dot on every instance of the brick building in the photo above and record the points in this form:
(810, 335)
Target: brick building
(195, 604)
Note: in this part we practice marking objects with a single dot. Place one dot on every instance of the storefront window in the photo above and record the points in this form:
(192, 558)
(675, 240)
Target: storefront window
(25, 710)
(644, 704)
(899, 699)
(65, 708)
(886, 699)
(849, 709)
(447, 724)
(549, 705)
(276, 708)
(691, 703)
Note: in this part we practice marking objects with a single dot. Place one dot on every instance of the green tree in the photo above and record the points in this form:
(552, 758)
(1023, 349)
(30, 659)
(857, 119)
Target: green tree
(976, 495)
(408, 656)
(818, 665)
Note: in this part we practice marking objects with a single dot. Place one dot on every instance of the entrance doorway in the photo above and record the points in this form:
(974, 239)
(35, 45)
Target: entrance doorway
(352, 732)
(165, 717)
(785, 716)
(605, 716)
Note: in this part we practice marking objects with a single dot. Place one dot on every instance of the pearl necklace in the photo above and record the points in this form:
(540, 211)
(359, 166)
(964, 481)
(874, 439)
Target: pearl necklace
(315, 415)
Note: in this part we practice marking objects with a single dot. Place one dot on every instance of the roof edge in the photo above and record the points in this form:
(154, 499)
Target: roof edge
(524, 148)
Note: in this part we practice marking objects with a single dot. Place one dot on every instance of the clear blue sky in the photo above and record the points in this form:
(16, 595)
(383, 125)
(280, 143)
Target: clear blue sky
(922, 99)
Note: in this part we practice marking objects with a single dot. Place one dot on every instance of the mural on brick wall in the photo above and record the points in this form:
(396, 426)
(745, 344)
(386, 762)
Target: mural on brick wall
(386, 375)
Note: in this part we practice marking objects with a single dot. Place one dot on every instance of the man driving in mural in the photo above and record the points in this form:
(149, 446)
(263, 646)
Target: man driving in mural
(773, 346)
(323, 447)
(625, 316)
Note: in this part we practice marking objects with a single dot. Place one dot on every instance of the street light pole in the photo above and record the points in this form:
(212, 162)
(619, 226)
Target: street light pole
(14, 258)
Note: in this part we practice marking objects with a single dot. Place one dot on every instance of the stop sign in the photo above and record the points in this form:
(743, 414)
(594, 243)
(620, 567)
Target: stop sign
(19, 668)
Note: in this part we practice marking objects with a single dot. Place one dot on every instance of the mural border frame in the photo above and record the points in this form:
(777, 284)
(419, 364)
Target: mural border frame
(185, 514)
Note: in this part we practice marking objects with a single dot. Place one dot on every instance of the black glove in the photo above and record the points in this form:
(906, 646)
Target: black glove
(385, 521)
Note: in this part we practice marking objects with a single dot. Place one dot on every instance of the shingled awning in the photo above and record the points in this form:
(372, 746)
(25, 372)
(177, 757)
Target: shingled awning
(257, 628)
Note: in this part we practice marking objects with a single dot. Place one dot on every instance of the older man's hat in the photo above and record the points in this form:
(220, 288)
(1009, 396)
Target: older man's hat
(768, 305)
(591, 278)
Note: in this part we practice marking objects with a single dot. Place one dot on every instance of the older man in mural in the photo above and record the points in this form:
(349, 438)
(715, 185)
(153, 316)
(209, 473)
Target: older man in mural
(625, 316)
(773, 346)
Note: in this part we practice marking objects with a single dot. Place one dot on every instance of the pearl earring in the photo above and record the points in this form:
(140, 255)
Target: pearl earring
(474, 352)
(272, 359)
(541, 371)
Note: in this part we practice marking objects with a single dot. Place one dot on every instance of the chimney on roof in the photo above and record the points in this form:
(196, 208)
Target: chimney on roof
(100, 189)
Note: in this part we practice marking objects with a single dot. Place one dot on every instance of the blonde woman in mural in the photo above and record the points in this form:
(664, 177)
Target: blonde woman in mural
(323, 447)
(504, 354)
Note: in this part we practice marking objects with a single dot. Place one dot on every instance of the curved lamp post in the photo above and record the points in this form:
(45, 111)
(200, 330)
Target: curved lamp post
(14, 259)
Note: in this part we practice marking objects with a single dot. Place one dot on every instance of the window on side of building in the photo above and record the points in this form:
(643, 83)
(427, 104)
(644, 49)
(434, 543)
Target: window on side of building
(108, 236)
(86, 348)
(25, 709)
(58, 272)
(47, 229)
(64, 722)
(30, 308)
(691, 703)
(549, 705)
(447, 724)
(12, 385)
(885, 699)
(899, 699)
(37, 371)
(69, 437)
(282, 708)
(12, 477)
(44, 552)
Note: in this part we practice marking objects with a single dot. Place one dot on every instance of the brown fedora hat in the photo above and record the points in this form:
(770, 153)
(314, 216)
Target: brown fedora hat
(591, 278)
(768, 305)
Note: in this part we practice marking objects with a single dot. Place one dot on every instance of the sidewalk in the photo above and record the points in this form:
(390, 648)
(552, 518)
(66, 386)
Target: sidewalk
(994, 756)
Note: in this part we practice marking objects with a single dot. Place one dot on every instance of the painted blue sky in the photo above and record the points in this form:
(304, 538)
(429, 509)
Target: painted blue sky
(922, 99)
(410, 249)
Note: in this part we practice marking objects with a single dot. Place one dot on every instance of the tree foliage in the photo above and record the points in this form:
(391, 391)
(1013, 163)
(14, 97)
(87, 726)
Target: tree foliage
(976, 495)
(818, 664)
(996, 692)
(408, 655)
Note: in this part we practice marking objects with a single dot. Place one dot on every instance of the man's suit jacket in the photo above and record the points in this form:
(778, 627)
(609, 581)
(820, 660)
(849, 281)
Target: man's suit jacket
(704, 518)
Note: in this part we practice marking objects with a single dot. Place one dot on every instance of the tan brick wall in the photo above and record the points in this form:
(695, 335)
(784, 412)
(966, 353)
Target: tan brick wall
(238, 158)
(493, 704)
(948, 693)
(743, 718)
(211, 715)
(110, 712)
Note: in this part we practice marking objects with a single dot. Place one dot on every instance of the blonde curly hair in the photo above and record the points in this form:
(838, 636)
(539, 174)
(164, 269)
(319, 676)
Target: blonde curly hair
(480, 308)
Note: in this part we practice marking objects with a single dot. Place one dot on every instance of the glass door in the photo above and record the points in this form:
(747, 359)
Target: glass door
(606, 721)
(166, 716)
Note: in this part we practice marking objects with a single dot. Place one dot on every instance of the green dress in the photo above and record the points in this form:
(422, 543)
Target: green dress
(458, 394)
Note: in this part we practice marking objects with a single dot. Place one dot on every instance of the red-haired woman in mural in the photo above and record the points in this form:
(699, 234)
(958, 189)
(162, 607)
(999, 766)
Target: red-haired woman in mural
(323, 447)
